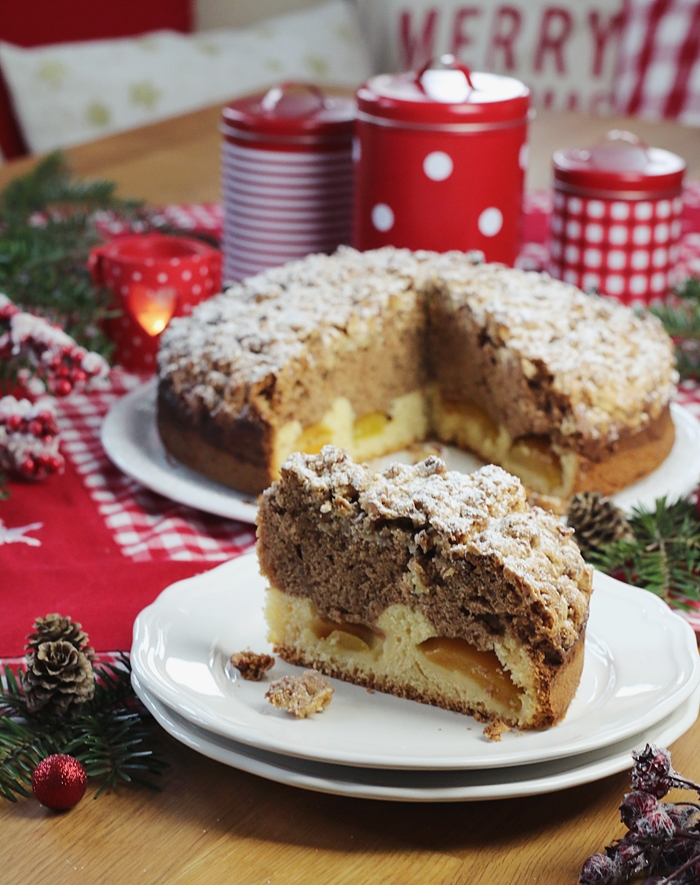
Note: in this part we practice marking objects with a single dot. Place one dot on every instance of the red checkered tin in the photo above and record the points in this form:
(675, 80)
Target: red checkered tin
(616, 222)
(440, 161)
(286, 176)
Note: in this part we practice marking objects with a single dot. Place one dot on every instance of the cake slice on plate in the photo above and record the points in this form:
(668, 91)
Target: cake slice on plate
(431, 585)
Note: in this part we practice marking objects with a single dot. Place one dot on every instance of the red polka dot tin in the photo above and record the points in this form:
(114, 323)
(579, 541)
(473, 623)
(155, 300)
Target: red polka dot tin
(152, 278)
(440, 157)
(286, 177)
(616, 222)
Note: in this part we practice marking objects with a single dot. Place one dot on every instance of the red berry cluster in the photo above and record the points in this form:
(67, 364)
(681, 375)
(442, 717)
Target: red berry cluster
(662, 839)
(28, 439)
(56, 358)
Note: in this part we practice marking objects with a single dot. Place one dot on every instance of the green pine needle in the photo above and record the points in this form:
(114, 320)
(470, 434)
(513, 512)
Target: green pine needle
(109, 735)
(664, 555)
(47, 228)
(680, 316)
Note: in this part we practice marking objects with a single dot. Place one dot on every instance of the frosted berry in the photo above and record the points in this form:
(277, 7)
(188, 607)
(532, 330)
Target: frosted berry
(652, 771)
(599, 869)
(59, 782)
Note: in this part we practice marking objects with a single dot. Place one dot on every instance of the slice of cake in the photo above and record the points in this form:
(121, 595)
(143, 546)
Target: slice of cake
(428, 584)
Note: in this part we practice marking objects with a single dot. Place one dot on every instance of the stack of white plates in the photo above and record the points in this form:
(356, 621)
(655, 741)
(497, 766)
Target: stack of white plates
(640, 683)
(280, 205)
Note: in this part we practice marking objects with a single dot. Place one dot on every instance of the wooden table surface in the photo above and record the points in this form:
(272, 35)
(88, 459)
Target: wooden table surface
(212, 824)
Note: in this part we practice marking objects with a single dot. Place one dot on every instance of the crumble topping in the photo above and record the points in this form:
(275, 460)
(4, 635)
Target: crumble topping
(250, 665)
(301, 695)
(233, 346)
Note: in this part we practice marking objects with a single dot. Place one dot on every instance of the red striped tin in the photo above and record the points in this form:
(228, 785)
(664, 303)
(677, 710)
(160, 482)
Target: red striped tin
(287, 177)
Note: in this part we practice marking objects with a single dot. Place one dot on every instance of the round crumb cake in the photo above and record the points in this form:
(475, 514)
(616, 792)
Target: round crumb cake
(375, 351)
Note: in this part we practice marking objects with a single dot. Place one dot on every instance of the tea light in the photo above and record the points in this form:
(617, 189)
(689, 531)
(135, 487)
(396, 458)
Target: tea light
(616, 221)
(152, 277)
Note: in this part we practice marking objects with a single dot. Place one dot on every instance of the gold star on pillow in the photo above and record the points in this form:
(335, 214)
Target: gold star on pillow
(144, 94)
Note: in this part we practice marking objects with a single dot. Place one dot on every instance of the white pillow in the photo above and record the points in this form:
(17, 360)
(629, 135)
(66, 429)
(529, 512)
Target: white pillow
(565, 52)
(74, 92)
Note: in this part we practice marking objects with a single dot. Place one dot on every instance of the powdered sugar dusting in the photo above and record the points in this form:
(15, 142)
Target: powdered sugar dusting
(615, 368)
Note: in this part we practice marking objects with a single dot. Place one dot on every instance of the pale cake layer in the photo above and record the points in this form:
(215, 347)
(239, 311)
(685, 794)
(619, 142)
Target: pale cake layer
(543, 465)
(403, 655)
(261, 370)
(460, 564)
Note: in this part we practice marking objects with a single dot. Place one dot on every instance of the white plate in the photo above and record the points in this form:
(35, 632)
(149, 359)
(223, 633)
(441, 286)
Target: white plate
(130, 438)
(641, 663)
(423, 786)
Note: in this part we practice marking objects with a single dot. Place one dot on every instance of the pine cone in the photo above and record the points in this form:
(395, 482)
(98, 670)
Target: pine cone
(54, 627)
(596, 521)
(59, 676)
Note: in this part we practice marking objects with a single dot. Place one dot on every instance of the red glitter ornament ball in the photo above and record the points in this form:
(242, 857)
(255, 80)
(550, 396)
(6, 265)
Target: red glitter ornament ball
(59, 782)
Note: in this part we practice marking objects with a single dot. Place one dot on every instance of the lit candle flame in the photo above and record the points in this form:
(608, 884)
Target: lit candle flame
(152, 308)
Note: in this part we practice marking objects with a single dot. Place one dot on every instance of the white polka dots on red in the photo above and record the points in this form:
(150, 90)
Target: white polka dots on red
(438, 166)
(149, 291)
(490, 221)
(622, 248)
(382, 217)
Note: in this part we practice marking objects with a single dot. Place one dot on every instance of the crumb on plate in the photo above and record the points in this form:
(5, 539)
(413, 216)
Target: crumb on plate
(250, 665)
(301, 695)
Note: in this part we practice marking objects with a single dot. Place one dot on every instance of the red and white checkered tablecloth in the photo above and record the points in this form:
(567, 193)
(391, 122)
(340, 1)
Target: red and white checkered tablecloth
(145, 526)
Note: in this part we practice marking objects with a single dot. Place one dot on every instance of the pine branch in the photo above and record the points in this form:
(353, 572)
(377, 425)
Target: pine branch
(664, 555)
(109, 735)
(47, 228)
(680, 316)
(21, 750)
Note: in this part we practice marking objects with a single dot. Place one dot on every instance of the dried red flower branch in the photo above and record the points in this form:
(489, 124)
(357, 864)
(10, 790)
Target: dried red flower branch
(663, 838)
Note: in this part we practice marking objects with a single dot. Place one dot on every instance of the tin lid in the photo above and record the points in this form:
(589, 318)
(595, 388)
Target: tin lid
(619, 163)
(444, 95)
(296, 112)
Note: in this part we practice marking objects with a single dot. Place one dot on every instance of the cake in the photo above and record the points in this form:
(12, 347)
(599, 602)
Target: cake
(375, 351)
(432, 585)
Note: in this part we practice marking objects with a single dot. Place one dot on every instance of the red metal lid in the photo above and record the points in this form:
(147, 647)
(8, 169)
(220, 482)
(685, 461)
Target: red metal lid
(291, 112)
(619, 164)
(450, 98)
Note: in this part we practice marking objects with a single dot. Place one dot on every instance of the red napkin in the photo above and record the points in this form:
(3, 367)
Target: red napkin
(77, 570)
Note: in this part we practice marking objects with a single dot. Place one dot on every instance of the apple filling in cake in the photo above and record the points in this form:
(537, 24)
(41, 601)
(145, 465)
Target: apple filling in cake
(430, 585)
(401, 655)
(368, 436)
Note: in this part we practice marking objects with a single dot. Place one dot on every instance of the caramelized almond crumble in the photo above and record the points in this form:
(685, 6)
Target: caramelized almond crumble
(494, 730)
(250, 665)
(301, 695)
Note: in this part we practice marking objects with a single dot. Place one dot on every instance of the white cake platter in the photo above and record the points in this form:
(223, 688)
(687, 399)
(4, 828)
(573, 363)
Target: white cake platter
(641, 663)
(130, 438)
(423, 786)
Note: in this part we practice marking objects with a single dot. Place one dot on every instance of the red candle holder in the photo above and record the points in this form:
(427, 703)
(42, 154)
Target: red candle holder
(152, 278)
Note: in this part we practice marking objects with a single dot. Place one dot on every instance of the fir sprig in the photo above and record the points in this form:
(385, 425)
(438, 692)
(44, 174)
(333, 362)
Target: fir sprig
(680, 316)
(109, 735)
(47, 228)
(664, 554)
